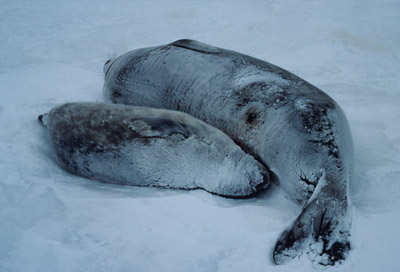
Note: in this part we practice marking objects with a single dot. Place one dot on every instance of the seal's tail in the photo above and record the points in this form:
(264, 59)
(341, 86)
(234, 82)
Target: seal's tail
(321, 230)
(43, 119)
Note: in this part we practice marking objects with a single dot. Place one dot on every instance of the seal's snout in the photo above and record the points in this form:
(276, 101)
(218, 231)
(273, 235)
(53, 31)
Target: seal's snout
(107, 66)
(43, 119)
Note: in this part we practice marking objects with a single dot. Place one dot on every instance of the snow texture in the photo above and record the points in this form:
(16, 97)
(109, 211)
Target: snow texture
(53, 52)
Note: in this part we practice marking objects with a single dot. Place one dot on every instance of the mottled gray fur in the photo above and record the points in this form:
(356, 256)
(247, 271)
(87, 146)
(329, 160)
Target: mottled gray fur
(287, 124)
(150, 147)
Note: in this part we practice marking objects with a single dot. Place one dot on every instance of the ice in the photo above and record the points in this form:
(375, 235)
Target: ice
(54, 51)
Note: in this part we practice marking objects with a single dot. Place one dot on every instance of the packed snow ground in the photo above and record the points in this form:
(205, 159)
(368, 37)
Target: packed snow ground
(53, 52)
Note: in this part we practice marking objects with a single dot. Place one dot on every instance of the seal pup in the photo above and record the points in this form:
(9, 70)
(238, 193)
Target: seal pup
(288, 125)
(150, 147)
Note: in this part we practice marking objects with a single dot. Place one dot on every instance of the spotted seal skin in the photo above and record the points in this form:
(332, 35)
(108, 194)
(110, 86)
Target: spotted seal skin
(150, 147)
(291, 127)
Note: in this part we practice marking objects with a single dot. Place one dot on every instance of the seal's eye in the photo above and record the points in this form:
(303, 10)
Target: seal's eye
(107, 62)
(251, 117)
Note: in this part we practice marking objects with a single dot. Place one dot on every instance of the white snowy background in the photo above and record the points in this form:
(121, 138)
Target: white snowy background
(53, 52)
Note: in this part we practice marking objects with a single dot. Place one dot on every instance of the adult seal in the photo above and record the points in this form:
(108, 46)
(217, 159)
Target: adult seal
(150, 147)
(291, 127)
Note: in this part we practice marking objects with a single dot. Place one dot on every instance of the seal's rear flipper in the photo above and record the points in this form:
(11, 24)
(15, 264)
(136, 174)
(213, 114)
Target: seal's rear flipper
(43, 119)
(321, 231)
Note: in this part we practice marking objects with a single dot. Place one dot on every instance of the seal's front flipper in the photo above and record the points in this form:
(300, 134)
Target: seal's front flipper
(321, 231)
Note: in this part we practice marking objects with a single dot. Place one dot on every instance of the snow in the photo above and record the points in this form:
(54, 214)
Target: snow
(53, 52)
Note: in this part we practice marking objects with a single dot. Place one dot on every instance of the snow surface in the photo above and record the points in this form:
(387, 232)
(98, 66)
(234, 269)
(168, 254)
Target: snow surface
(53, 52)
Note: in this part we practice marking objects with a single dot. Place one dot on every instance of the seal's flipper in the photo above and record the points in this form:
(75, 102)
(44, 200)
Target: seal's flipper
(196, 46)
(322, 227)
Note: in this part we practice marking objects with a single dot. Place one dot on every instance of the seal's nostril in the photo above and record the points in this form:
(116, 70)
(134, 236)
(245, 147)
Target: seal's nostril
(43, 119)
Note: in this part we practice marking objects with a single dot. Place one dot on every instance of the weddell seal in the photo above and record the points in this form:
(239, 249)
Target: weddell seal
(292, 128)
(150, 147)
